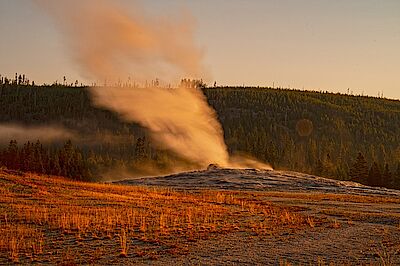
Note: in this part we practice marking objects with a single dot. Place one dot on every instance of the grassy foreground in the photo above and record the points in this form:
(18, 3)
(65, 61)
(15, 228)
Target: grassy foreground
(54, 220)
(51, 220)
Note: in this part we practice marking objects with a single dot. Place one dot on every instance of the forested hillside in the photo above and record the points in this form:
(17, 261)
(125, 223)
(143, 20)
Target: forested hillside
(339, 136)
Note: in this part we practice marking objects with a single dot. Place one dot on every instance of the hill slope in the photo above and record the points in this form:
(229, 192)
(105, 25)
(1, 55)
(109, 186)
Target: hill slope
(259, 180)
(312, 132)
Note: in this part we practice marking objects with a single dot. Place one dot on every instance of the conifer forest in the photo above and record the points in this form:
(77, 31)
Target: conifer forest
(339, 136)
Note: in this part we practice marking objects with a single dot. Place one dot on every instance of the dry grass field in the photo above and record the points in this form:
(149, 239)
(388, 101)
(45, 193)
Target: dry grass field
(53, 220)
(50, 220)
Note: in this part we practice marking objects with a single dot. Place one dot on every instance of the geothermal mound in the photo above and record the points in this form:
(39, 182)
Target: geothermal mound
(216, 177)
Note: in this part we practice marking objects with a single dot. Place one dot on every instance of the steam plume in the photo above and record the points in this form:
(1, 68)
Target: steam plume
(179, 119)
(108, 43)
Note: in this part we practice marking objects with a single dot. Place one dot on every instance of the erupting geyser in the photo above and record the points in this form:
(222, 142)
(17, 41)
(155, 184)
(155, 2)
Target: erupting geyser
(108, 43)
(178, 119)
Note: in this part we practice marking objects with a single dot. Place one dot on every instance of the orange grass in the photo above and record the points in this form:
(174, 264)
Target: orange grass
(317, 196)
(37, 211)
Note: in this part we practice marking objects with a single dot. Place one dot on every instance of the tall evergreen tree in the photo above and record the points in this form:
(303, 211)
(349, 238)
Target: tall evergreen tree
(396, 179)
(387, 177)
(38, 164)
(375, 175)
(328, 166)
(140, 152)
(11, 155)
(26, 157)
(319, 168)
(359, 170)
(55, 166)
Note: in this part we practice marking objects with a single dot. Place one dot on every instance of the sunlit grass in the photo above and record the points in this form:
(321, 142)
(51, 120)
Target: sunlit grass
(37, 210)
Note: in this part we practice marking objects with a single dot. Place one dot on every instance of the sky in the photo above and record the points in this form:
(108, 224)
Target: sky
(337, 46)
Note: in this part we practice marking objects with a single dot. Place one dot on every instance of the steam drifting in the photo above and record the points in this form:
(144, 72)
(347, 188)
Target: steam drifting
(110, 43)
(43, 133)
(179, 119)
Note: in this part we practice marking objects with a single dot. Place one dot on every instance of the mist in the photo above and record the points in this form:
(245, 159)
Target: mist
(23, 134)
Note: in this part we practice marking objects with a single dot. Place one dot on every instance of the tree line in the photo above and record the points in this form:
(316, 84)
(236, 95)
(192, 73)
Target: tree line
(312, 132)
(67, 161)
(374, 174)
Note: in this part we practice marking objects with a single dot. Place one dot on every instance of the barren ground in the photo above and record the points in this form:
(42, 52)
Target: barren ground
(216, 216)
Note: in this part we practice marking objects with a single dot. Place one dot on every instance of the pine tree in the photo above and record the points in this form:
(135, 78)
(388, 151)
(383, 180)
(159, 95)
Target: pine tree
(24, 157)
(319, 168)
(140, 153)
(396, 179)
(55, 166)
(38, 158)
(328, 166)
(375, 175)
(47, 163)
(2, 158)
(359, 170)
(65, 159)
(27, 158)
(387, 177)
(11, 155)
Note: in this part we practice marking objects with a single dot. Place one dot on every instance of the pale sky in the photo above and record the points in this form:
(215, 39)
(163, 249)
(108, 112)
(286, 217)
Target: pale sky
(311, 44)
